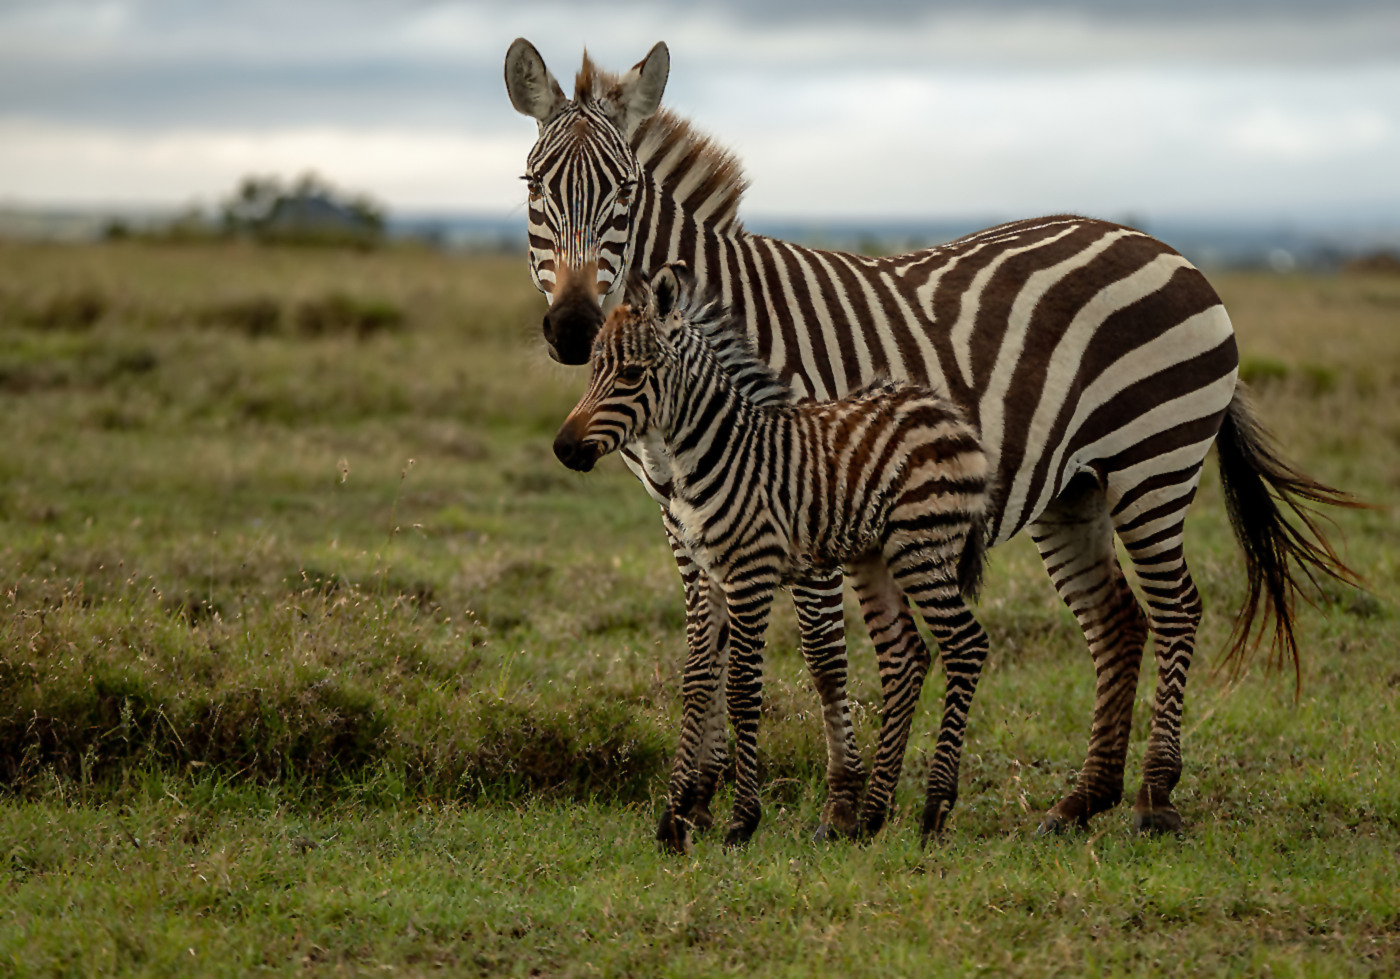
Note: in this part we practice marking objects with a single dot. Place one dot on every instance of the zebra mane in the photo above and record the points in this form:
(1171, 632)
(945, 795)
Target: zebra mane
(714, 172)
(755, 381)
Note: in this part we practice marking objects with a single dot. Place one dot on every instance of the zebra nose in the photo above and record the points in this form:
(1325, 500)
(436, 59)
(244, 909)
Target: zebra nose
(569, 328)
(573, 451)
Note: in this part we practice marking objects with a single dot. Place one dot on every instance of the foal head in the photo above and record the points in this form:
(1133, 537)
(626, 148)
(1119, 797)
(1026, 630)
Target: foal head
(624, 390)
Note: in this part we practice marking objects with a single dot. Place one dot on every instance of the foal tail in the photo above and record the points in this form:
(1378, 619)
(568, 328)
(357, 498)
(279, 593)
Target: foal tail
(973, 560)
(1277, 553)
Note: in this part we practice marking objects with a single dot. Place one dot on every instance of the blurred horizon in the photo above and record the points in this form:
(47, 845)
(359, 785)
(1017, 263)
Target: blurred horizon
(1240, 112)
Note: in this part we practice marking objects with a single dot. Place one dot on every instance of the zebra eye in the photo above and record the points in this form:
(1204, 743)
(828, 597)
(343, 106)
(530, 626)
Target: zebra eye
(624, 193)
(631, 374)
(533, 185)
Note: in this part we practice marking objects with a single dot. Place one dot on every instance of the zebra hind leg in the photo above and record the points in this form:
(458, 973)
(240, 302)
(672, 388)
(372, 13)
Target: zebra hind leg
(821, 620)
(903, 660)
(1175, 609)
(1075, 539)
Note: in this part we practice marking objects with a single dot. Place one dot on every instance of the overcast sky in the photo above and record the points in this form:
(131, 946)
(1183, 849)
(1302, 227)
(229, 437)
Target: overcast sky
(1152, 108)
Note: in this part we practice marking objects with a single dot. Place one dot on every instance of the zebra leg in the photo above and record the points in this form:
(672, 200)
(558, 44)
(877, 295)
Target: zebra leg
(962, 646)
(1075, 538)
(750, 600)
(821, 619)
(1174, 605)
(700, 755)
(903, 660)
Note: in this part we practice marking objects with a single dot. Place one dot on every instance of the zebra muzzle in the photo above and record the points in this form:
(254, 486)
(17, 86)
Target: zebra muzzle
(574, 316)
(578, 454)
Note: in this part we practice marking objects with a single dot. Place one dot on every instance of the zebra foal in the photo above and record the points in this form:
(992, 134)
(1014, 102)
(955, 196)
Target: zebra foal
(889, 482)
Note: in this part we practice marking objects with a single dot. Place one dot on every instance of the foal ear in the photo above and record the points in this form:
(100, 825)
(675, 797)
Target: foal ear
(531, 86)
(638, 95)
(666, 291)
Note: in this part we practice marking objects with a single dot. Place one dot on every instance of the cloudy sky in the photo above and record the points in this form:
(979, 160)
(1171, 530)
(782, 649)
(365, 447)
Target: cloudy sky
(1280, 109)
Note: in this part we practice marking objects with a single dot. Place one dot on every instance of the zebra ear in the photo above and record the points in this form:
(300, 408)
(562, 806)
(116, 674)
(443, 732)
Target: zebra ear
(638, 95)
(531, 86)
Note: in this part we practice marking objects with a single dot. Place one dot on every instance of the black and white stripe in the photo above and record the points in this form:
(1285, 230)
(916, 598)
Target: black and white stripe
(1097, 365)
(888, 482)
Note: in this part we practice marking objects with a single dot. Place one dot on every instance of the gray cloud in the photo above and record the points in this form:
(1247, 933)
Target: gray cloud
(163, 62)
(1115, 103)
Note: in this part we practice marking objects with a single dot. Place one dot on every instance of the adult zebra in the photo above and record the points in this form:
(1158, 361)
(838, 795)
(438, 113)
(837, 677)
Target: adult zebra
(889, 481)
(1096, 363)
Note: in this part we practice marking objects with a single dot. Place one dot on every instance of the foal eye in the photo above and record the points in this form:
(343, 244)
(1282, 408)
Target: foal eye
(631, 375)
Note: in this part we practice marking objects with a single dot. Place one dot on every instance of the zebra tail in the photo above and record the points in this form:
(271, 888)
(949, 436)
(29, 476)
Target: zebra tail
(1277, 552)
(973, 560)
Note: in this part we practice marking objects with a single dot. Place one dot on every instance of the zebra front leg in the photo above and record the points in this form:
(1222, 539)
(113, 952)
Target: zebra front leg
(700, 754)
(821, 619)
(750, 599)
(903, 661)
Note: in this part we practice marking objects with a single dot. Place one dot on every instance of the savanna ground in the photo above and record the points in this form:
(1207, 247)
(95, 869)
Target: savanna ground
(313, 658)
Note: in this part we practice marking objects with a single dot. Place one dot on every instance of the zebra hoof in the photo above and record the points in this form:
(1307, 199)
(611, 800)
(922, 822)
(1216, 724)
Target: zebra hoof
(839, 822)
(673, 834)
(737, 836)
(700, 820)
(1158, 821)
(871, 823)
(1052, 825)
(828, 832)
(936, 812)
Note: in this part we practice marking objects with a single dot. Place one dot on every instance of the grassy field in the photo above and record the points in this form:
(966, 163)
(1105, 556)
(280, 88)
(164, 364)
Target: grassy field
(313, 658)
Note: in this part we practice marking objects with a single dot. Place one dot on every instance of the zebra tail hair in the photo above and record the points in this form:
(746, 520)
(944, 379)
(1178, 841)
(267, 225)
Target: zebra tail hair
(1277, 552)
(973, 560)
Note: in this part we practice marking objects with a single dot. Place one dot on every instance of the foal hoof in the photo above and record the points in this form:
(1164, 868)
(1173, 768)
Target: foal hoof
(1157, 822)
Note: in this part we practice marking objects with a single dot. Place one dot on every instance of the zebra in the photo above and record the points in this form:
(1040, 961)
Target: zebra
(1097, 365)
(889, 482)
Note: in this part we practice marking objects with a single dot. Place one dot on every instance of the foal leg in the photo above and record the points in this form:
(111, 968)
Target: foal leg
(750, 598)
(821, 619)
(903, 660)
(962, 645)
(700, 755)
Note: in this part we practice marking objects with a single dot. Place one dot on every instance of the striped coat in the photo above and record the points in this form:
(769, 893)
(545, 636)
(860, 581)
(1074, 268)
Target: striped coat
(888, 482)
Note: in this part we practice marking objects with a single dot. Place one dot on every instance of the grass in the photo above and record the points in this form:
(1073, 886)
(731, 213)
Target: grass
(312, 658)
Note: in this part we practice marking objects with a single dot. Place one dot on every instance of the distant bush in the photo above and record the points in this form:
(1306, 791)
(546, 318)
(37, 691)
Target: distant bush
(253, 316)
(338, 314)
(73, 310)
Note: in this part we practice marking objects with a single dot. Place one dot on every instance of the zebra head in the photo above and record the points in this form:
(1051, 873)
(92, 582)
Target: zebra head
(583, 181)
(630, 355)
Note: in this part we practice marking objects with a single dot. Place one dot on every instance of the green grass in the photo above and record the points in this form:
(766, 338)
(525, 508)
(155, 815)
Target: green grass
(313, 658)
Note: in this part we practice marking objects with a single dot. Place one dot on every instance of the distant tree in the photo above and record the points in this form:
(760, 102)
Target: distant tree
(308, 211)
